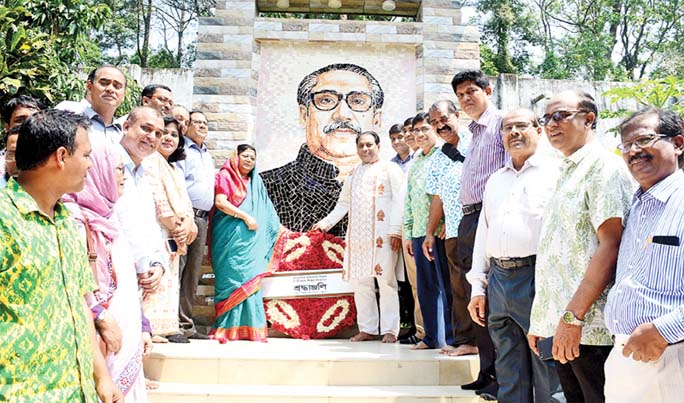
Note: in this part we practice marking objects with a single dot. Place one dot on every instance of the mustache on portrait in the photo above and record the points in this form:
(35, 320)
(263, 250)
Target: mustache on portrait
(338, 124)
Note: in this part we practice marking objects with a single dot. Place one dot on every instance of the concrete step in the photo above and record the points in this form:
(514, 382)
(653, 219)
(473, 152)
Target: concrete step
(287, 362)
(212, 393)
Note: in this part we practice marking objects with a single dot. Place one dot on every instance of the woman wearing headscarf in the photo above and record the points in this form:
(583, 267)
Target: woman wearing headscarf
(116, 302)
(246, 245)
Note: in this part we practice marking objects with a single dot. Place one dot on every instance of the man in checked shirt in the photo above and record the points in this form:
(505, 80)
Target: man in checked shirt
(645, 308)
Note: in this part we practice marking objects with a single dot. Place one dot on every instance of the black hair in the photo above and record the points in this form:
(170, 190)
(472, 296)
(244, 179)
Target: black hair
(669, 123)
(368, 133)
(476, 76)
(243, 147)
(20, 101)
(396, 128)
(420, 117)
(149, 90)
(307, 84)
(587, 103)
(192, 112)
(179, 153)
(450, 106)
(408, 121)
(93, 73)
(43, 133)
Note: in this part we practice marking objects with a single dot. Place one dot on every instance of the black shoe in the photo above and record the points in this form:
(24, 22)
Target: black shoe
(198, 336)
(489, 392)
(177, 338)
(481, 382)
(412, 339)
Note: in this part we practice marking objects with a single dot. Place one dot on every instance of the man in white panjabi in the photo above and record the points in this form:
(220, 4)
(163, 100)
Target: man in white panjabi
(373, 196)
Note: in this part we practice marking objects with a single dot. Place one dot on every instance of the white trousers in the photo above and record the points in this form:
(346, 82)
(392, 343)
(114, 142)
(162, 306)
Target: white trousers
(630, 381)
(367, 306)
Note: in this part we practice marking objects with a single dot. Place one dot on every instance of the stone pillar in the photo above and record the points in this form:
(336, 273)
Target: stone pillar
(225, 75)
(448, 47)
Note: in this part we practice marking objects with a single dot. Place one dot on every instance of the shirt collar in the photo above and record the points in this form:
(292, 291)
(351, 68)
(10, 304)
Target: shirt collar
(27, 204)
(92, 115)
(310, 164)
(398, 158)
(533, 161)
(190, 143)
(489, 116)
(662, 190)
(577, 157)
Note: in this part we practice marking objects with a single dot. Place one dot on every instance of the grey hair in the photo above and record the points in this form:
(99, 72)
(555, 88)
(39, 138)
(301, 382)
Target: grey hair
(307, 84)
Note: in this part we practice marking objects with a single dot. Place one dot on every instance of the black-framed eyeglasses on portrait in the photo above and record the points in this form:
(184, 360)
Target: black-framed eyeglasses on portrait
(327, 100)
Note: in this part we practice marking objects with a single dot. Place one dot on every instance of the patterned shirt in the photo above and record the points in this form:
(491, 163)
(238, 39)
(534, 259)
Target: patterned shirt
(486, 155)
(417, 202)
(46, 353)
(649, 285)
(444, 180)
(593, 186)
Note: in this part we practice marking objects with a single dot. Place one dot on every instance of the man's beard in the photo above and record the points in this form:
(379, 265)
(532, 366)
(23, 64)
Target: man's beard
(341, 125)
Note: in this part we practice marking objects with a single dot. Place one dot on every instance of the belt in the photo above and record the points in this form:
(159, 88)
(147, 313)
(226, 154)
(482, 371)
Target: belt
(515, 262)
(200, 213)
(471, 208)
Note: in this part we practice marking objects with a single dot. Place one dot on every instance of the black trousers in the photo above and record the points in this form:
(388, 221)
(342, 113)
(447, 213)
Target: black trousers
(464, 259)
(583, 378)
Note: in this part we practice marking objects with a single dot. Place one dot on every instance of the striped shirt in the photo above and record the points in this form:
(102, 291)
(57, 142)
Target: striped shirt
(649, 284)
(486, 155)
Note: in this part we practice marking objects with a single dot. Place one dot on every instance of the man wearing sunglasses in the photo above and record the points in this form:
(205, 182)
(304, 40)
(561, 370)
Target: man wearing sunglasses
(578, 246)
(336, 103)
(645, 308)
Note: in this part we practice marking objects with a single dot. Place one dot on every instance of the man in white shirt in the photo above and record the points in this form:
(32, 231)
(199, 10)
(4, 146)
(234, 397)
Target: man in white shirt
(503, 268)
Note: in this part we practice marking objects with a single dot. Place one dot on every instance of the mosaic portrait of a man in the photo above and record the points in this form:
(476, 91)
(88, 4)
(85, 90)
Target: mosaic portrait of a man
(336, 103)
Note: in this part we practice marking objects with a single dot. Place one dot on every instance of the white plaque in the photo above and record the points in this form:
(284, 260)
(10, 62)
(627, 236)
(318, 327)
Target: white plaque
(305, 283)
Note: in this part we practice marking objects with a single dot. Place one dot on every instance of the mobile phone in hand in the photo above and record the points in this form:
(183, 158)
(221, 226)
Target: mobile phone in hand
(173, 246)
(545, 348)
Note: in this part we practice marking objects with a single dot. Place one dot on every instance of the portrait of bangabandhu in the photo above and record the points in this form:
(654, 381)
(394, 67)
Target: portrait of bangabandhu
(336, 103)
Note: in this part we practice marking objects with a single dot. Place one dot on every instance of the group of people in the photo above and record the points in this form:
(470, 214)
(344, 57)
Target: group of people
(527, 246)
(523, 240)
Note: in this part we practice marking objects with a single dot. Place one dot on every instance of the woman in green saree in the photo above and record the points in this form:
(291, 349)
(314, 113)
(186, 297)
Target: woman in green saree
(246, 245)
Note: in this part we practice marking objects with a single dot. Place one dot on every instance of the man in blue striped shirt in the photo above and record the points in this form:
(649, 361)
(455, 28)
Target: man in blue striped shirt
(645, 308)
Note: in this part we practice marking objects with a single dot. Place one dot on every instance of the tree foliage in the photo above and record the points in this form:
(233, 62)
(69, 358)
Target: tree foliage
(667, 92)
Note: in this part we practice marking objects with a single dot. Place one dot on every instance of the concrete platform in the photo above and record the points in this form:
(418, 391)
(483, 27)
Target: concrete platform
(289, 370)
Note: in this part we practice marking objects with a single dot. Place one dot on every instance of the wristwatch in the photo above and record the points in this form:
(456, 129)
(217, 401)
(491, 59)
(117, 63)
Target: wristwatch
(569, 318)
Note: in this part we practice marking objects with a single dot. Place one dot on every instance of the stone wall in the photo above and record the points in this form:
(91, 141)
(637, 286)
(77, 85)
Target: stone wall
(228, 57)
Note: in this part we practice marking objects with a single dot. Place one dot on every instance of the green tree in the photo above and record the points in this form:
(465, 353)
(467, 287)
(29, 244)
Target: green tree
(667, 92)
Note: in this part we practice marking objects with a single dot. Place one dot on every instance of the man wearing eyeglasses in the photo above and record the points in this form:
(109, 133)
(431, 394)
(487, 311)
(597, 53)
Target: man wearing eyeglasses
(336, 103)
(199, 171)
(158, 97)
(645, 308)
(502, 276)
(578, 247)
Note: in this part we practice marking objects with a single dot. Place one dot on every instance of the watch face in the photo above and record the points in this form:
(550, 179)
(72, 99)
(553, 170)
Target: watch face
(568, 317)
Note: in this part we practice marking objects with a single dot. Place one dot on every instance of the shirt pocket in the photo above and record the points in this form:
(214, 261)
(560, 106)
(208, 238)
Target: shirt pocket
(665, 265)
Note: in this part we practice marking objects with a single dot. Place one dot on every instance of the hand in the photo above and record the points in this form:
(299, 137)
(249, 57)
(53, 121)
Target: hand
(150, 281)
(107, 390)
(110, 332)
(428, 245)
(319, 226)
(395, 242)
(645, 344)
(180, 232)
(476, 308)
(192, 232)
(532, 340)
(147, 344)
(566, 342)
(408, 245)
(442, 233)
(251, 223)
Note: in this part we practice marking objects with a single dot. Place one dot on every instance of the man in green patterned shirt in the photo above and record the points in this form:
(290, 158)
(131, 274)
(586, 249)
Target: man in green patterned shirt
(578, 246)
(47, 331)
(432, 275)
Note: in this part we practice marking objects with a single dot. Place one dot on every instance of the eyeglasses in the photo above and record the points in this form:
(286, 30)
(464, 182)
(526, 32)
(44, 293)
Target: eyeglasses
(559, 116)
(424, 130)
(328, 100)
(199, 122)
(443, 119)
(644, 141)
(521, 126)
(163, 99)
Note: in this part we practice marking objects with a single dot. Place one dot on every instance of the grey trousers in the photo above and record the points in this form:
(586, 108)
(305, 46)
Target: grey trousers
(522, 376)
(190, 267)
